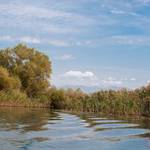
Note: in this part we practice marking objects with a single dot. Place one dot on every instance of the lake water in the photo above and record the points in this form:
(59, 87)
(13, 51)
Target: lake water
(41, 129)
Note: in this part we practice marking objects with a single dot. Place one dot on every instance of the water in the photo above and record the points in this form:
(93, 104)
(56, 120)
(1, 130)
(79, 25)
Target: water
(41, 129)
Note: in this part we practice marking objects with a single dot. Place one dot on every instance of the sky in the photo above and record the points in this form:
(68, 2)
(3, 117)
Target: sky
(93, 43)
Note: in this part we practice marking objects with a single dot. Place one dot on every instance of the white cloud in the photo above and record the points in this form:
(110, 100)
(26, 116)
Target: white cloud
(79, 74)
(130, 39)
(148, 82)
(121, 40)
(59, 43)
(61, 30)
(25, 39)
(76, 78)
(122, 12)
(133, 79)
(144, 1)
(119, 12)
(112, 40)
(6, 38)
(84, 43)
(54, 19)
(65, 57)
(32, 11)
(90, 79)
(35, 40)
(26, 12)
(53, 42)
(110, 81)
(28, 39)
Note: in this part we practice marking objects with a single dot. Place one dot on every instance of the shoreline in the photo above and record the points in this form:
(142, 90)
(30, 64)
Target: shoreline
(37, 105)
(47, 106)
(43, 106)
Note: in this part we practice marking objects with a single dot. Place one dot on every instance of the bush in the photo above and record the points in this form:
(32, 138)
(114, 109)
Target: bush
(13, 96)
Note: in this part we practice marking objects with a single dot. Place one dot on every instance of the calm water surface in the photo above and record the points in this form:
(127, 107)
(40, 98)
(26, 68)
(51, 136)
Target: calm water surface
(40, 129)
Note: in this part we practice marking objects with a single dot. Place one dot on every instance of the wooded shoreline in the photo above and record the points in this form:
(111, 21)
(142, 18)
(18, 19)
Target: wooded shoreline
(24, 82)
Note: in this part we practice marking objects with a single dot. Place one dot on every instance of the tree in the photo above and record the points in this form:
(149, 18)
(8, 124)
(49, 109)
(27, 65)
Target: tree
(8, 82)
(31, 66)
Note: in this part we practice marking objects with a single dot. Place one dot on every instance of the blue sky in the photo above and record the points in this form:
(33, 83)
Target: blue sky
(103, 43)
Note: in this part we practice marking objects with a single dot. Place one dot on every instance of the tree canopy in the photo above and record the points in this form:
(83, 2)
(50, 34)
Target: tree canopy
(25, 65)
(8, 82)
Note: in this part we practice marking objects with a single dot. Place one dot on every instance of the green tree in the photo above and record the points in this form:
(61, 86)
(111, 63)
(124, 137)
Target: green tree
(8, 82)
(31, 66)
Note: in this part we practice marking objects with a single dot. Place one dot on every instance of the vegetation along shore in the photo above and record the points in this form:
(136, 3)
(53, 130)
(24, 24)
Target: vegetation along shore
(25, 81)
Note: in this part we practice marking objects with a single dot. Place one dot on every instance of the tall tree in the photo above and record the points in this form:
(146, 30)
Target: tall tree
(31, 66)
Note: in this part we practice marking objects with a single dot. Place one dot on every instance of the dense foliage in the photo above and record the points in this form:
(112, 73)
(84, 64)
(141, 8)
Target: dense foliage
(121, 102)
(24, 81)
(25, 71)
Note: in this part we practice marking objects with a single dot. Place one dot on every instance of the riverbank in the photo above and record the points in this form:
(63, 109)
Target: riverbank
(102, 114)
(25, 82)
(27, 105)
(35, 105)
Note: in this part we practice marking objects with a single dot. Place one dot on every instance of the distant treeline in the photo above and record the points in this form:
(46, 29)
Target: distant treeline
(25, 81)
